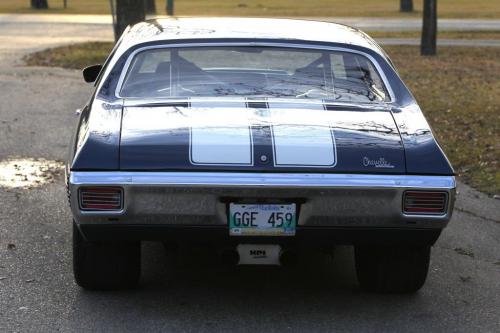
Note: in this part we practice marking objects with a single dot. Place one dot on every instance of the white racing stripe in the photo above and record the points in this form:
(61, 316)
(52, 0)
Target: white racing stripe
(220, 135)
(302, 137)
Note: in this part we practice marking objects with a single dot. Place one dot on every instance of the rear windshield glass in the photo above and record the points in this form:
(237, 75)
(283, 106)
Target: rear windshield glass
(253, 72)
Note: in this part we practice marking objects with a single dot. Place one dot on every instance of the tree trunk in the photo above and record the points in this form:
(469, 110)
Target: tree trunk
(39, 4)
(406, 6)
(170, 7)
(429, 28)
(128, 12)
(150, 6)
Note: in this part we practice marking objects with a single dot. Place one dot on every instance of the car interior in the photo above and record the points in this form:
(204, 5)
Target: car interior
(353, 78)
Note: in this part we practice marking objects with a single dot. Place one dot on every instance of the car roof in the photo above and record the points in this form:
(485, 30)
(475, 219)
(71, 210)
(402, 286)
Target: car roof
(180, 28)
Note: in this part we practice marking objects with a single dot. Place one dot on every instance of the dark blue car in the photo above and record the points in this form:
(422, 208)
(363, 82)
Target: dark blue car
(266, 138)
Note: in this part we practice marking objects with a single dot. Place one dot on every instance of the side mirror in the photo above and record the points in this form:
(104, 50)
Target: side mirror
(91, 73)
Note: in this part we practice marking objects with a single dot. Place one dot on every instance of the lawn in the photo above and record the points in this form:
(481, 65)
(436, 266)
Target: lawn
(313, 8)
(443, 34)
(76, 56)
(458, 91)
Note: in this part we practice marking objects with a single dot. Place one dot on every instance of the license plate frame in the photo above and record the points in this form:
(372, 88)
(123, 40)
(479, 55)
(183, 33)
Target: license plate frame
(249, 219)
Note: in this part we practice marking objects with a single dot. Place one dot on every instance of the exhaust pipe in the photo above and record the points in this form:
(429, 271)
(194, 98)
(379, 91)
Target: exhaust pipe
(288, 258)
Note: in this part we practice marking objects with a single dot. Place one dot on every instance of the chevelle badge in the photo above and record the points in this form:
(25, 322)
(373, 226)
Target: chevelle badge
(378, 163)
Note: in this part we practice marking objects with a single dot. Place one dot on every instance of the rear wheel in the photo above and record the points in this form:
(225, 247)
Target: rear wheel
(392, 269)
(105, 265)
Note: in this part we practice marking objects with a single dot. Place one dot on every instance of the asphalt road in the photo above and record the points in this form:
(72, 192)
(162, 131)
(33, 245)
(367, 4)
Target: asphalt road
(365, 23)
(37, 292)
(21, 33)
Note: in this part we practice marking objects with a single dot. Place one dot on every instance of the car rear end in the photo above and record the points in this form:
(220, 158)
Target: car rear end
(416, 207)
(260, 157)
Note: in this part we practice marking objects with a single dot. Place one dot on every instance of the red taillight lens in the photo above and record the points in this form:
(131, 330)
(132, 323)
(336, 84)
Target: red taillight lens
(425, 202)
(101, 198)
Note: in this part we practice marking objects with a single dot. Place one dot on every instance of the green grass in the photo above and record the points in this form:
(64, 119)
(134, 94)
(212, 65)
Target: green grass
(458, 91)
(76, 56)
(478, 34)
(315, 8)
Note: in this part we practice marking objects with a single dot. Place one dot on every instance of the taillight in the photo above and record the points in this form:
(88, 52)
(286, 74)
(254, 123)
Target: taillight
(101, 198)
(425, 202)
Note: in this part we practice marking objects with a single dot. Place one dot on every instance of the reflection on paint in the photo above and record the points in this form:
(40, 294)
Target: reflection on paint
(28, 172)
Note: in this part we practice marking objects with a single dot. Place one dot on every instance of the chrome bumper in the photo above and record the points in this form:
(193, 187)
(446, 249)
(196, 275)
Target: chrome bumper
(200, 198)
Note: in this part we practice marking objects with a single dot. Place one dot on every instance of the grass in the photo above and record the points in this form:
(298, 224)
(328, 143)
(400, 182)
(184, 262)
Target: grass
(458, 91)
(76, 56)
(314, 8)
(473, 34)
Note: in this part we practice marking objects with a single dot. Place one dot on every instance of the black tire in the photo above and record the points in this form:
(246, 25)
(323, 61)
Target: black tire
(392, 269)
(105, 265)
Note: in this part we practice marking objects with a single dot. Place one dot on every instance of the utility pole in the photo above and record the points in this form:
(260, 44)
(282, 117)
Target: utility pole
(170, 7)
(429, 28)
(150, 6)
(406, 6)
(113, 16)
(128, 12)
(39, 4)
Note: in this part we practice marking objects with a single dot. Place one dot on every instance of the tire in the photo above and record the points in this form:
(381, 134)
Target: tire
(105, 265)
(392, 269)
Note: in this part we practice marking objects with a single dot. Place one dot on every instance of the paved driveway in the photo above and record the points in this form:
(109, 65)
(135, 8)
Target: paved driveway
(366, 23)
(21, 33)
(37, 292)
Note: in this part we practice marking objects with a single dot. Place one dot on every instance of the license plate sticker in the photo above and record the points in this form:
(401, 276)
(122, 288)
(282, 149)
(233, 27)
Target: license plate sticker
(262, 219)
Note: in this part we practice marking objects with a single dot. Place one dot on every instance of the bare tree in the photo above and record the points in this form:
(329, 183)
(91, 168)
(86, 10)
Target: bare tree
(39, 4)
(128, 12)
(150, 6)
(406, 6)
(429, 28)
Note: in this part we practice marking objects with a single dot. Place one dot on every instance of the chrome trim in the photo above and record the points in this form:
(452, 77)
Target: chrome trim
(265, 44)
(161, 101)
(260, 180)
(200, 198)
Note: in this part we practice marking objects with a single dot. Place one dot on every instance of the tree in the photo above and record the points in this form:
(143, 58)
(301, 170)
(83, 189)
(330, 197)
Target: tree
(429, 28)
(406, 6)
(128, 12)
(150, 6)
(170, 7)
(39, 4)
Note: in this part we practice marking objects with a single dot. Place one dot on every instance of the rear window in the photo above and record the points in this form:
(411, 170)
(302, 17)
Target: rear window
(253, 72)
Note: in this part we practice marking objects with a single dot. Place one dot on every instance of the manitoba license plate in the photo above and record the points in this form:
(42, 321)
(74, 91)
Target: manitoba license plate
(262, 219)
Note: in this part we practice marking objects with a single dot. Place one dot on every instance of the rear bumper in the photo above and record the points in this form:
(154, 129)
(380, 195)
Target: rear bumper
(201, 198)
(219, 235)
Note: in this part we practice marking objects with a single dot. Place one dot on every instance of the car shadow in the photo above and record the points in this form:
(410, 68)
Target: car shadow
(196, 293)
(201, 267)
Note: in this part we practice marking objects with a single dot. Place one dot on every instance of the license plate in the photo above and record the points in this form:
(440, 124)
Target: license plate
(262, 219)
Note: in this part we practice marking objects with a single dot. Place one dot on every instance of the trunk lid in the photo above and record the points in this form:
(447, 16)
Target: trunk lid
(260, 136)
